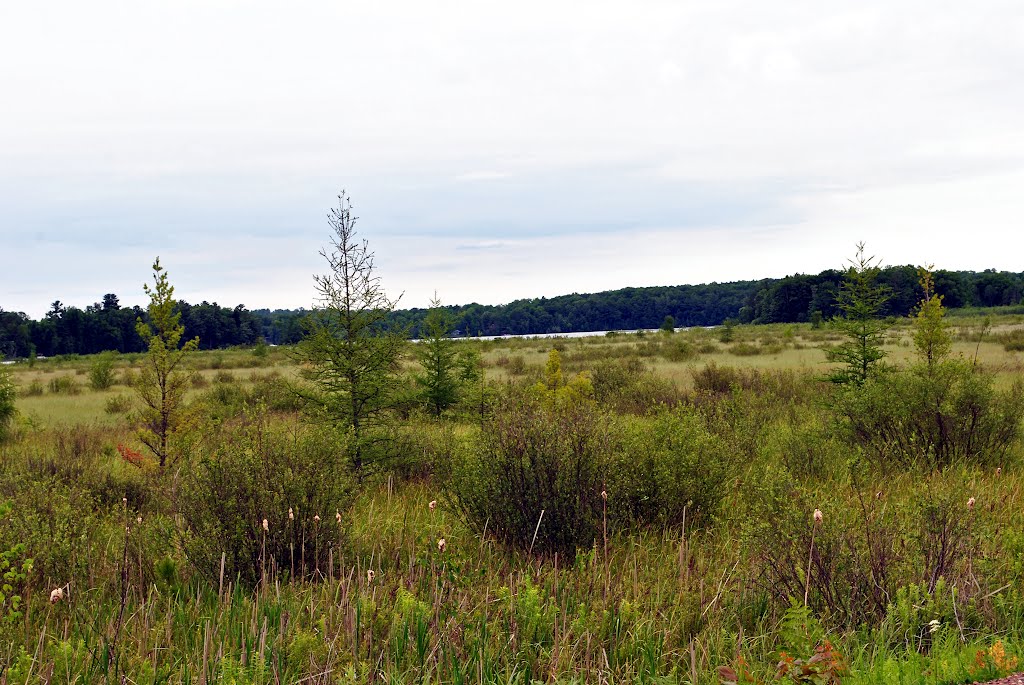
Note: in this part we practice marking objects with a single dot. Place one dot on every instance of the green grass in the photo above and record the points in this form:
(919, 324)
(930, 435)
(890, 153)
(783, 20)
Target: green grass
(648, 604)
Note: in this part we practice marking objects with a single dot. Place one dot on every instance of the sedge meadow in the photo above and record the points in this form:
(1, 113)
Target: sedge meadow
(698, 506)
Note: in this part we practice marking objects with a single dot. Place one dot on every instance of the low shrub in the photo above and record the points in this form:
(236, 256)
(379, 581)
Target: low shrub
(628, 386)
(745, 349)
(864, 548)
(666, 469)
(7, 397)
(34, 389)
(516, 365)
(535, 470)
(914, 417)
(64, 385)
(294, 478)
(118, 404)
(101, 373)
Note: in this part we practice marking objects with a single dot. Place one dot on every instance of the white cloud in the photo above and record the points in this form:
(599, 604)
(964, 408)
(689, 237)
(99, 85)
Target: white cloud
(199, 125)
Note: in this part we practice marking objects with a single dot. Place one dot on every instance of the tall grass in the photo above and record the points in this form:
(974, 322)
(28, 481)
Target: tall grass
(907, 581)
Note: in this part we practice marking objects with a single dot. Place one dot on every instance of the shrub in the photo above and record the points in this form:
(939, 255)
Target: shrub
(629, 386)
(262, 470)
(535, 455)
(865, 548)
(101, 373)
(34, 389)
(64, 385)
(667, 468)
(7, 396)
(420, 450)
(1013, 340)
(517, 365)
(933, 419)
(118, 404)
(745, 349)
(680, 351)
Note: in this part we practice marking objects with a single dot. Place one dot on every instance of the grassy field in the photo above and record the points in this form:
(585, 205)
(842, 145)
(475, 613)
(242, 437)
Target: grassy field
(257, 557)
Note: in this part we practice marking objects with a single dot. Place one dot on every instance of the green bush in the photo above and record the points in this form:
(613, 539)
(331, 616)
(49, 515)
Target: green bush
(535, 453)
(667, 468)
(745, 349)
(118, 404)
(64, 385)
(628, 386)
(517, 365)
(420, 450)
(866, 546)
(101, 373)
(951, 415)
(264, 469)
(7, 397)
(1013, 340)
(34, 389)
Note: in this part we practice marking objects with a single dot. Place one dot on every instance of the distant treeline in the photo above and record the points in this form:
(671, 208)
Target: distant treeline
(108, 326)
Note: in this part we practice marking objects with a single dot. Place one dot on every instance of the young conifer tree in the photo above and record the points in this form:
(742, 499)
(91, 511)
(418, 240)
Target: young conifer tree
(164, 378)
(931, 332)
(350, 353)
(860, 301)
(439, 380)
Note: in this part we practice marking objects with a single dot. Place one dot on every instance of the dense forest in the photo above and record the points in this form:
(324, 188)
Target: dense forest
(106, 325)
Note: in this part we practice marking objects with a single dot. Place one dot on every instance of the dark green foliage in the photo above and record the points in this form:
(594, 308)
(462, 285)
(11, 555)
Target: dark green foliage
(534, 456)
(860, 303)
(108, 326)
(258, 471)
(439, 379)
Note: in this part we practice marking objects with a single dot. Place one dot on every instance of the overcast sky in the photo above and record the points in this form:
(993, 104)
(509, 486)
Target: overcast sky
(495, 151)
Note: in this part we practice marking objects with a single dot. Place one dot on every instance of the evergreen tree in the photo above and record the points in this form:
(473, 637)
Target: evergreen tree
(351, 354)
(439, 381)
(163, 381)
(860, 301)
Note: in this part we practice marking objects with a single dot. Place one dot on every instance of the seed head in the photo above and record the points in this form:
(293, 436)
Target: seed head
(369, 575)
(433, 504)
(138, 520)
(441, 544)
(604, 495)
(266, 526)
(316, 518)
(337, 517)
(970, 503)
(291, 514)
(999, 470)
(56, 595)
(818, 516)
